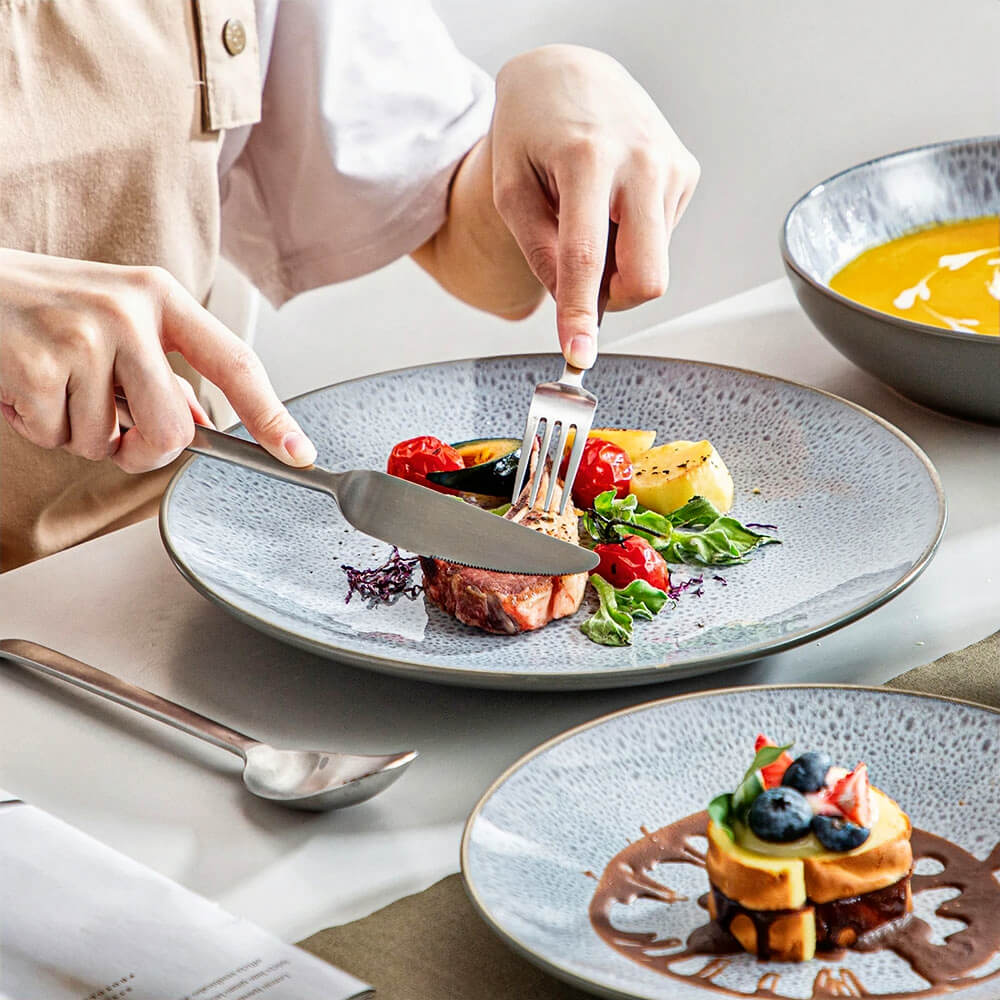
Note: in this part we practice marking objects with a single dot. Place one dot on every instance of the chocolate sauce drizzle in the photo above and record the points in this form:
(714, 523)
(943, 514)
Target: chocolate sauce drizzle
(945, 967)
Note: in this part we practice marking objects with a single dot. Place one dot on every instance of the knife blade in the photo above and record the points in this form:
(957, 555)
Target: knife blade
(412, 517)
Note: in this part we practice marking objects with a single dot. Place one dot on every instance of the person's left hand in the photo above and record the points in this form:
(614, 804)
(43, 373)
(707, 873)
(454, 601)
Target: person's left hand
(575, 141)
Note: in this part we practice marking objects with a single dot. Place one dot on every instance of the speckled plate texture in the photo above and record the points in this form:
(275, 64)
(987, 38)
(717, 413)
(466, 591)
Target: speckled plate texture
(558, 816)
(868, 205)
(858, 507)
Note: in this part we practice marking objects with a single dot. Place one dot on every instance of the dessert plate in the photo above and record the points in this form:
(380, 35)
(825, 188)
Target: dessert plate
(540, 838)
(857, 505)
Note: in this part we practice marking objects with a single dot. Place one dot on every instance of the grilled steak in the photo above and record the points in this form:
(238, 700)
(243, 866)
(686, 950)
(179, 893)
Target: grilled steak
(508, 603)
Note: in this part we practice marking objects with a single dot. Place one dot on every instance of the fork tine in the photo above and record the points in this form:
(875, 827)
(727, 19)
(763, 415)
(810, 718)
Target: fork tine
(524, 462)
(556, 461)
(573, 466)
(543, 453)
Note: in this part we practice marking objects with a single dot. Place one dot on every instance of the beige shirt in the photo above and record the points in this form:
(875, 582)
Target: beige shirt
(314, 140)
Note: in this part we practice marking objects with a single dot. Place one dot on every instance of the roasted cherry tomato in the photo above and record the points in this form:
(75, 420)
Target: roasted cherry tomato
(413, 459)
(603, 466)
(632, 559)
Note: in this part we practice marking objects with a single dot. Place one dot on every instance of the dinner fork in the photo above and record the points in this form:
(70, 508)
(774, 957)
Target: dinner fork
(565, 404)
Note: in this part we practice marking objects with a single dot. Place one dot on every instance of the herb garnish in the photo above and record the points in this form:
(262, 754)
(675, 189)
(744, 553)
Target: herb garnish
(384, 582)
(730, 807)
(611, 624)
(697, 533)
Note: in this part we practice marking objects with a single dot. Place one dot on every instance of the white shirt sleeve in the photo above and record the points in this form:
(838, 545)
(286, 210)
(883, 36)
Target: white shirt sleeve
(367, 110)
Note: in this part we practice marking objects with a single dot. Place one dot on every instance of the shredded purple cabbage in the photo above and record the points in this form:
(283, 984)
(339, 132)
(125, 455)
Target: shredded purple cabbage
(384, 582)
(676, 589)
(721, 580)
(753, 524)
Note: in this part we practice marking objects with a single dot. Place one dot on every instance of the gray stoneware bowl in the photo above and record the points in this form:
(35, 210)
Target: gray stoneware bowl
(543, 834)
(870, 204)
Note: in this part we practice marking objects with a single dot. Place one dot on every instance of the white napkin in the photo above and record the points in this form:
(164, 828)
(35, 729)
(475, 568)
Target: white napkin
(79, 921)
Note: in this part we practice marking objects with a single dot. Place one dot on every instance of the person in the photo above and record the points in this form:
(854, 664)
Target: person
(310, 141)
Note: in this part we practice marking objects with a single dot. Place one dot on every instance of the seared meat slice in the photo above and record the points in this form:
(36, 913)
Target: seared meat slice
(508, 603)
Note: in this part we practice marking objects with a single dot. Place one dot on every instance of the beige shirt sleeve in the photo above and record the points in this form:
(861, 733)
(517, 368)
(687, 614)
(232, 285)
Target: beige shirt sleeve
(367, 109)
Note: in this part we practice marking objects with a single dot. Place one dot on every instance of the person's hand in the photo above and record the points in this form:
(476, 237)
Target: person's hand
(73, 332)
(576, 141)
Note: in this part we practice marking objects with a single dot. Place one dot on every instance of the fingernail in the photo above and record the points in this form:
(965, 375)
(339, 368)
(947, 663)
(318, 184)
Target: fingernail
(582, 351)
(299, 448)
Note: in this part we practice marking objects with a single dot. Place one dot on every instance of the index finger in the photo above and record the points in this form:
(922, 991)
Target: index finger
(583, 239)
(218, 354)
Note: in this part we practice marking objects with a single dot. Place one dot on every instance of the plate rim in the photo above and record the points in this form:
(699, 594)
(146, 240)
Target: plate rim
(553, 967)
(577, 680)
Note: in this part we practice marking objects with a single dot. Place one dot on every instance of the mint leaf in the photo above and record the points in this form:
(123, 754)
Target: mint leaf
(752, 784)
(746, 791)
(720, 810)
(611, 624)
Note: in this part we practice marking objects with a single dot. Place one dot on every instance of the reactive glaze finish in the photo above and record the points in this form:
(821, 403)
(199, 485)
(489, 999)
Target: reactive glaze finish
(874, 203)
(541, 837)
(271, 554)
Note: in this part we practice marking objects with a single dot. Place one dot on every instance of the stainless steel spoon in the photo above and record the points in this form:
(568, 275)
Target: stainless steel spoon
(301, 779)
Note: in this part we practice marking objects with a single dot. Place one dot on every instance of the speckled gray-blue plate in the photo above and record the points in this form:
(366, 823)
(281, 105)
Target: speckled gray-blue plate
(857, 505)
(538, 838)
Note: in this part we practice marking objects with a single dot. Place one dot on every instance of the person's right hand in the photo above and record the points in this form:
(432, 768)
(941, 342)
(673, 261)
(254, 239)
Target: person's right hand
(72, 333)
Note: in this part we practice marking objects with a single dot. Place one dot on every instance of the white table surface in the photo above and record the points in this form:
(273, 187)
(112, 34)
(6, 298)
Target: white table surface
(177, 804)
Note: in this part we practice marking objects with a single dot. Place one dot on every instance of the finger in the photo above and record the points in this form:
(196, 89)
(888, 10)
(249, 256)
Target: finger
(224, 359)
(690, 174)
(163, 425)
(641, 264)
(198, 413)
(93, 422)
(38, 412)
(525, 209)
(583, 237)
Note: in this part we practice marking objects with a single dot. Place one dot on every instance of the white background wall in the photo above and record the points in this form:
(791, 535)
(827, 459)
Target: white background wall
(770, 95)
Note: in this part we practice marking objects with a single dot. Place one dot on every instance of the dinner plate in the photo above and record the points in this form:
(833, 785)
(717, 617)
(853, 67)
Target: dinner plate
(858, 508)
(540, 839)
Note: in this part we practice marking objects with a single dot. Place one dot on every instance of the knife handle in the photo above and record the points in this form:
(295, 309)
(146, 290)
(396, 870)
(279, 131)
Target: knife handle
(247, 454)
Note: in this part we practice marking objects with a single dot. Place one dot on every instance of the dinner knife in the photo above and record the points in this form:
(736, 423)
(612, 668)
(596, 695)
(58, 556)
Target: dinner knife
(404, 514)
(410, 516)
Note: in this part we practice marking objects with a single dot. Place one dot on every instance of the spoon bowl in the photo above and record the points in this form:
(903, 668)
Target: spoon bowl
(318, 780)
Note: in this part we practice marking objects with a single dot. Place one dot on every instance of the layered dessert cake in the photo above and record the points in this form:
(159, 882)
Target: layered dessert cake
(805, 855)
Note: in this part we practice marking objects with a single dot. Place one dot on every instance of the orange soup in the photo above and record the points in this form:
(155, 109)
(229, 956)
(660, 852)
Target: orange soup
(947, 276)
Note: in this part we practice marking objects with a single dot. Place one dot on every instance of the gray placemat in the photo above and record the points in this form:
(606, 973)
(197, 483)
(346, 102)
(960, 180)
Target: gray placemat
(434, 946)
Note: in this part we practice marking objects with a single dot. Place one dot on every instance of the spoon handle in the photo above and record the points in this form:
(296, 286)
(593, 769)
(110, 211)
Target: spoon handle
(48, 661)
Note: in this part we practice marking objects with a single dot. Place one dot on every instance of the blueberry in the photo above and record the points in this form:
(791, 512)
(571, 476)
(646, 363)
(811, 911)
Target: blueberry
(837, 834)
(780, 814)
(807, 773)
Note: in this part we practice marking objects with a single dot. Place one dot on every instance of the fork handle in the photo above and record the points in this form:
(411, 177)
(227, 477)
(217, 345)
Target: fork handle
(604, 292)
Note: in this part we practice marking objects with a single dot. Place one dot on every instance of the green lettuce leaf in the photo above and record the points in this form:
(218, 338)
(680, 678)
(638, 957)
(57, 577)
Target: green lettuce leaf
(695, 533)
(611, 624)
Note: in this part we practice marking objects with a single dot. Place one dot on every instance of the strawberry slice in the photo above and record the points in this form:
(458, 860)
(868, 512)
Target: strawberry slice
(821, 804)
(773, 773)
(851, 796)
